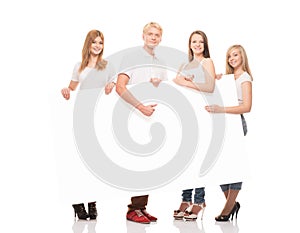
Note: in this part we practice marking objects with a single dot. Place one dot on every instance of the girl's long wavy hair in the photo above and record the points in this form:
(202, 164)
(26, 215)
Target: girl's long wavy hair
(245, 64)
(90, 37)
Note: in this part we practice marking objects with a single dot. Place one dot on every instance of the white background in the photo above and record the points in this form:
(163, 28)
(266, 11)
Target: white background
(42, 40)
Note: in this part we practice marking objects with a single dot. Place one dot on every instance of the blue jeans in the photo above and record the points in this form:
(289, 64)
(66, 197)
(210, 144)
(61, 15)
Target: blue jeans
(198, 196)
(234, 186)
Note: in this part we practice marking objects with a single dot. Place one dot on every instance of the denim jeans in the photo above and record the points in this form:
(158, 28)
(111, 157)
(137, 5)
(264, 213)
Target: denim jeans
(198, 196)
(234, 186)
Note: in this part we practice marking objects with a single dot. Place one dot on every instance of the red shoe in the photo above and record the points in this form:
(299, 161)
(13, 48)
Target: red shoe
(149, 216)
(137, 216)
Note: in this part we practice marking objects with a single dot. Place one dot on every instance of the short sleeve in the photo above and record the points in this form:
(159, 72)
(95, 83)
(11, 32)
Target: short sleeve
(112, 76)
(132, 58)
(129, 60)
(245, 78)
(75, 74)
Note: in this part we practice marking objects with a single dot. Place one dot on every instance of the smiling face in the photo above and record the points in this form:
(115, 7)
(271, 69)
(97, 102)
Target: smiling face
(96, 46)
(235, 59)
(152, 37)
(197, 44)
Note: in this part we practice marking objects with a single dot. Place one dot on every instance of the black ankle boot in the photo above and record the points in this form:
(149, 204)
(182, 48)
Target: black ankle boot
(80, 211)
(92, 210)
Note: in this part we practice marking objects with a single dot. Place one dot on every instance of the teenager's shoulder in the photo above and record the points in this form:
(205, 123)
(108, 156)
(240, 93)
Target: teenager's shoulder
(207, 62)
(245, 77)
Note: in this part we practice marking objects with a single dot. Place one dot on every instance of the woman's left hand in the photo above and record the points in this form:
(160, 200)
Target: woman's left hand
(215, 108)
(109, 87)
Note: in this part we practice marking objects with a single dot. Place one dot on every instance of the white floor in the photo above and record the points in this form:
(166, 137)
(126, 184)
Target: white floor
(81, 226)
(258, 213)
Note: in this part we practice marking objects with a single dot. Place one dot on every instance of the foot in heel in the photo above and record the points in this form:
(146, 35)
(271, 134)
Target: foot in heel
(80, 211)
(178, 214)
(92, 210)
(234, 211)
(195, 210)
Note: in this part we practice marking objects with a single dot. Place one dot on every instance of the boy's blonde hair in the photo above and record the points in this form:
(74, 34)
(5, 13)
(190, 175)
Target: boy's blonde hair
(152, 24)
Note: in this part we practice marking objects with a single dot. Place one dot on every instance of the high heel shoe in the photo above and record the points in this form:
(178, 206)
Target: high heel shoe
(92, 210)
(192, 215)
(234, 211)
(80, 211)
(178, 214)
(238, 206)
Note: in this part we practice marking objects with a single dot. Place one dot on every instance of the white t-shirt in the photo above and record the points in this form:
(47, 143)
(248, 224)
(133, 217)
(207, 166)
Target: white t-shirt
(93, 78)
(140, 66)
(244, 77)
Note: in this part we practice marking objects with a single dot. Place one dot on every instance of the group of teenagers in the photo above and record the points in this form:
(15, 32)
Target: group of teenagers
(198, 74)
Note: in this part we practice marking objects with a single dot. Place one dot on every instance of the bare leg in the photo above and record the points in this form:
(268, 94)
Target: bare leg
(230, 201)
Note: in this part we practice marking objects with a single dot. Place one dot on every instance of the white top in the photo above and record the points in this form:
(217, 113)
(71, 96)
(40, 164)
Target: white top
(93, 78)
(140, 66)
(197, 72)
(244, 77)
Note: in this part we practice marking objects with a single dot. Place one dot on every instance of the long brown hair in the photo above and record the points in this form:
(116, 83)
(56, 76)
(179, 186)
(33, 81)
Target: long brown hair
(90, 37)
(245, 64)
(206, 49)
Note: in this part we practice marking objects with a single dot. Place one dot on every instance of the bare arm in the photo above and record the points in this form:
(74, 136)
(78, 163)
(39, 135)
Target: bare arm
(209, 74)
(66, 91)
(122, 91)
(239, 109)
